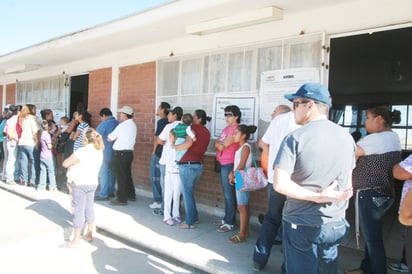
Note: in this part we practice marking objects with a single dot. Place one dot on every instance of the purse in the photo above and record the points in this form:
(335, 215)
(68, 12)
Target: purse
(251, 178)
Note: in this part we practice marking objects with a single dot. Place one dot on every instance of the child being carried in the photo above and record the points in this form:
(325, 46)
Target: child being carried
(180, 132)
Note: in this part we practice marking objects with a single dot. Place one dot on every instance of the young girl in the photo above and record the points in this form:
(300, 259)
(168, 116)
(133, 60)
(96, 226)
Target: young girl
(243, 159)
(46, 158)
(83, 119)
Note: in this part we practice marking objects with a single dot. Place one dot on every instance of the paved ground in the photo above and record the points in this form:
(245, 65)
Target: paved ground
(202, 248)
(29, 243)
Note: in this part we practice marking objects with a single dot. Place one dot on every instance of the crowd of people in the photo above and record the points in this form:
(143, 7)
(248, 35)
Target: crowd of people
(313, 165)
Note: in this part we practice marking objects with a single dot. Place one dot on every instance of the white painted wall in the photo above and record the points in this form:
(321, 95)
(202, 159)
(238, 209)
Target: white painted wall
(356, 15)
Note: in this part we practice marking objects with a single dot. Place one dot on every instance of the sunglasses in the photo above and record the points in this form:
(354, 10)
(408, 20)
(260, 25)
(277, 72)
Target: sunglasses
(296, 104)
(228, 114)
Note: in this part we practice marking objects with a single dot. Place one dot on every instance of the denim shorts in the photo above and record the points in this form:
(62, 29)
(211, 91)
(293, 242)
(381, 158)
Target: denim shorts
(242, 197)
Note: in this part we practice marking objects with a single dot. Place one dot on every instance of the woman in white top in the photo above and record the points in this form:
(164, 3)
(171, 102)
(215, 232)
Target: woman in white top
(28, 142)
(243, 159)
(82, 176)
(376, 154)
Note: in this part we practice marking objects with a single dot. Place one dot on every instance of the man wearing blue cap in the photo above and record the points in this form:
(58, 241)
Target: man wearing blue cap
(313, 169)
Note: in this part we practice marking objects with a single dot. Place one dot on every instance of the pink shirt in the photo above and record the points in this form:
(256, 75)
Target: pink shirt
(11, 130)
(227, 156)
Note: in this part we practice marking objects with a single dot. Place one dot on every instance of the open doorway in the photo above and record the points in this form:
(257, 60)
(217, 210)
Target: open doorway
(79, 91)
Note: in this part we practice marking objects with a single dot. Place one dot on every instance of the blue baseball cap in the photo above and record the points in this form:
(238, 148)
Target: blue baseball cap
(314, 91)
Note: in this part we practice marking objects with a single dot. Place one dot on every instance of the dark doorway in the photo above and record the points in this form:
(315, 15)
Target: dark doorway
(373, 67)
(79, 91)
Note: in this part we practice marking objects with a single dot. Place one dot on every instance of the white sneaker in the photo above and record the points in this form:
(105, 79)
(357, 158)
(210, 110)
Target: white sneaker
(155, 205)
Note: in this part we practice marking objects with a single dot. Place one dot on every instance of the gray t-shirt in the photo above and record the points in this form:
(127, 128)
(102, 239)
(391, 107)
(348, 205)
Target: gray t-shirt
(315, 155)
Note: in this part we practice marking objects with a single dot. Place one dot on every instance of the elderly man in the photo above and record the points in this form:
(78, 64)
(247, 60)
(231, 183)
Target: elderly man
(313, 169)
(283, 122)
(124, 138)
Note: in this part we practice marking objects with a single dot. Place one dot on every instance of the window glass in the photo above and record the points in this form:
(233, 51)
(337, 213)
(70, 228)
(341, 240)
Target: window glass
(191, 76)
(217, 73)
(240, 71)
(169, 78)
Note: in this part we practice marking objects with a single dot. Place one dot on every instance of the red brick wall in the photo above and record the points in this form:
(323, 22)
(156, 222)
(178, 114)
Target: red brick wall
(1, 94)
(11, 94)
(138, 90)
(208, 190)
(100, 85)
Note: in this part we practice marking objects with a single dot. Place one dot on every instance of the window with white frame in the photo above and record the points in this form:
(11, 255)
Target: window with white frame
(193, 81)
(49, 93)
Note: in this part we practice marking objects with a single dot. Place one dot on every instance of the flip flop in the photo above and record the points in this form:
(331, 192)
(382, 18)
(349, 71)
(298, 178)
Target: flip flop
(236, 239)
(186, 226)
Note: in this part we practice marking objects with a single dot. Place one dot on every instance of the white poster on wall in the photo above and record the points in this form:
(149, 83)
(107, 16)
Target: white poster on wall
(275, 84)
(247, 106)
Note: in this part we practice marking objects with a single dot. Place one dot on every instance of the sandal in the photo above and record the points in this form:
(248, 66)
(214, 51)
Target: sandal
(88, 237)
(186, 226)
(225, 228)
(219, 222)
(236, 239)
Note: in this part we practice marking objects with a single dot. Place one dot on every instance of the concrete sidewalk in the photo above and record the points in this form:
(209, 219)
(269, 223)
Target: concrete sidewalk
(203, 247)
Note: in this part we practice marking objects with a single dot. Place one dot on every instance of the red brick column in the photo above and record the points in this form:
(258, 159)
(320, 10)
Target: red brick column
(100, 86)
(138, 90)
(11, 94)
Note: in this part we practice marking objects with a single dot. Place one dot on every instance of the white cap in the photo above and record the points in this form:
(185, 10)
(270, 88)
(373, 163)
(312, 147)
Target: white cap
(126, 109)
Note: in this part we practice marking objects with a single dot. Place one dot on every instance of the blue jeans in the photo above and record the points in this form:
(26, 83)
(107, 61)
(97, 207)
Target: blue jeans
(272, 224)
(189, 175)
(107, 179)
(17, 166)
(312, 249)
(155, 179)
(229, 193)
(47, 171)
(27, 164)
(372, 208)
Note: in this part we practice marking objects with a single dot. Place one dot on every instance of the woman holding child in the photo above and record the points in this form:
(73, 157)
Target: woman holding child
(191, 164)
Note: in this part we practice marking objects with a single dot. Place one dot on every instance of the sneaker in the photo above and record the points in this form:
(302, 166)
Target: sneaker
(177, 220)
(155, 205)
(399, 267)
(169, 222)
(157, 212)
(257, 267)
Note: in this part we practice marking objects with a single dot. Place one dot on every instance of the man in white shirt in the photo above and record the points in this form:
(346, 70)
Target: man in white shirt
(124, 138)
(283, 122)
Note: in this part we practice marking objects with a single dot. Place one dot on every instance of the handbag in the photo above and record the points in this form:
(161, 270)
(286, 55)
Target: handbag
(251, 178)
